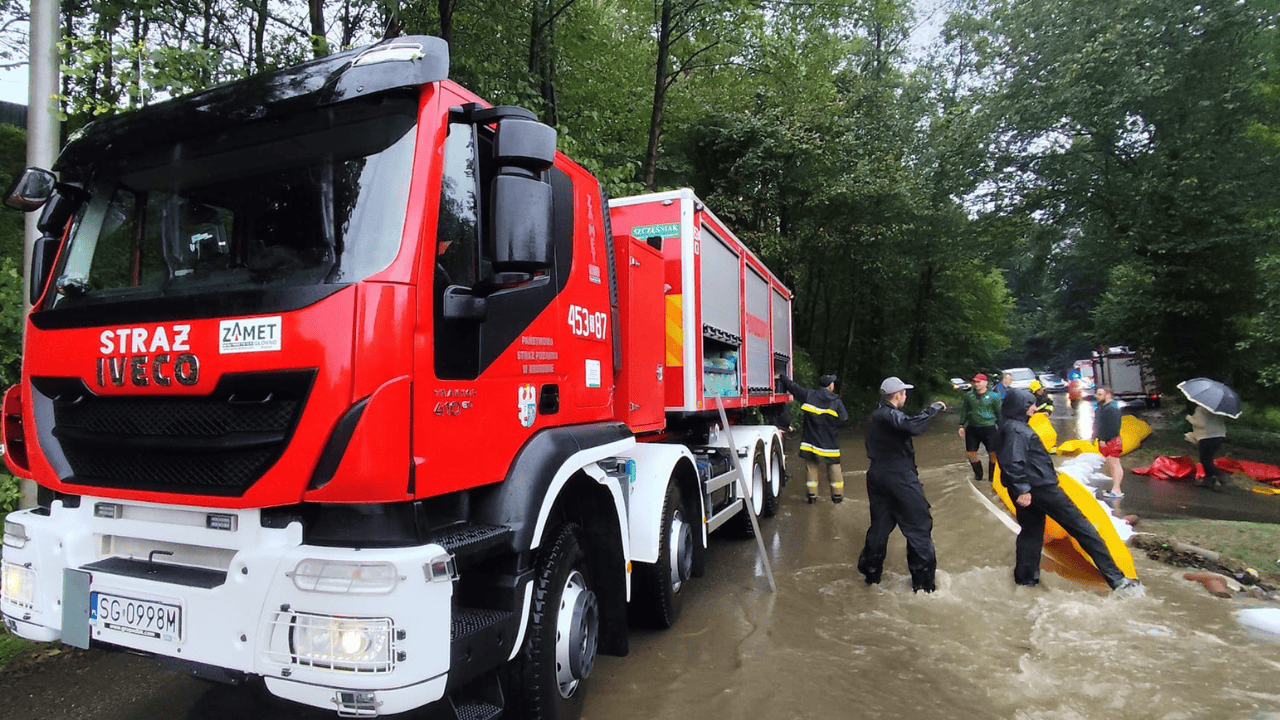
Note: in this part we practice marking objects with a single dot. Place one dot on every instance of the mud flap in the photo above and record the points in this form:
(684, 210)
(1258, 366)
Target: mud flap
(75, 608)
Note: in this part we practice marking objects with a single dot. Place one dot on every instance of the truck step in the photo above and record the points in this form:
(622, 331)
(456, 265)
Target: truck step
(472, 543)
(482, 640)
(473, 621)
(477, 711)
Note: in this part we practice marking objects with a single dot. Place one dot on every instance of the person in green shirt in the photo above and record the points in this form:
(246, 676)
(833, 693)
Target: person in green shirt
(979, 418)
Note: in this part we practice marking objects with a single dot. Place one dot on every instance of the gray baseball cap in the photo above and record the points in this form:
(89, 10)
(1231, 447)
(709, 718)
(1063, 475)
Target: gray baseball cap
(892, 385)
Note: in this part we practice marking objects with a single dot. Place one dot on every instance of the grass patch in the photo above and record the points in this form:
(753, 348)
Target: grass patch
(1256, 545)
(13, 649)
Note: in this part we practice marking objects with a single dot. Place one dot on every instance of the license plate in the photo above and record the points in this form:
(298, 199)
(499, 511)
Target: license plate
(132, 616)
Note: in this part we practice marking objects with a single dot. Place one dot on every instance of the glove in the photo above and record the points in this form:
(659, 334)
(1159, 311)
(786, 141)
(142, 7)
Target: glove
(938, 406)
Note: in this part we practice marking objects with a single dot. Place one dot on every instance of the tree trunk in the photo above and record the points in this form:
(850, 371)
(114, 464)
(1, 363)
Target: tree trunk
(259, 38)
(206, 34)
(810, 301)
(920, 326)
(135, 94)
(446, 8)
(659, 96)
(315, 11)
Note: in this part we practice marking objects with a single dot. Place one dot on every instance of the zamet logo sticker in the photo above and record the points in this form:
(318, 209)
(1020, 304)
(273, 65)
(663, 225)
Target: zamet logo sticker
(249, 335)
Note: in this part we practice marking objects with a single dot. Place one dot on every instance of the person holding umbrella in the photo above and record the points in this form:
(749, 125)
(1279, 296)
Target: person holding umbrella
(1213, 402)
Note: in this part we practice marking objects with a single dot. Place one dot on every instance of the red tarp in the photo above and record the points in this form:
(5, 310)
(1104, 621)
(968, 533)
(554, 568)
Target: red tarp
(1261, 472)
(1173, 468)
(1184, 468)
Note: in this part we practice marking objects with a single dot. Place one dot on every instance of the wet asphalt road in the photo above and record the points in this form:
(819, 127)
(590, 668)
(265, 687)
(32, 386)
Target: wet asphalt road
(827, 646)
(1148, 498)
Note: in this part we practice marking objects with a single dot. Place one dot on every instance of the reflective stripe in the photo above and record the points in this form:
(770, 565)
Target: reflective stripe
(819, 451)
(818, 411)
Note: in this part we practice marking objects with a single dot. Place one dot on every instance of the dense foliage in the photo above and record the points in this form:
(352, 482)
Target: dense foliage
(1042, 179)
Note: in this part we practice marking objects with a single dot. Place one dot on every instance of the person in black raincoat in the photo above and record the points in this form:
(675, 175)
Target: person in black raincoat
(1028, 472)
(824, 413)
(894, 490)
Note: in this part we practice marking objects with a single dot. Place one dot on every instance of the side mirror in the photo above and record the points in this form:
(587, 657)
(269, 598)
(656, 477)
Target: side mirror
(31, 190)
(460, 304)
(522, 233)
(43, 253)
(524, 144)
(66, 200)
(521, 224)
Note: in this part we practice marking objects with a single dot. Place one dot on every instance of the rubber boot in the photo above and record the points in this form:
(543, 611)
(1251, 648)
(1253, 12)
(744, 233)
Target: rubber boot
(837, 499)
(977, 471)
(991, 472)
(811, 498)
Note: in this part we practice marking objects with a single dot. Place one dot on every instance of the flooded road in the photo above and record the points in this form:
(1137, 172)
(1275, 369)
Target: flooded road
(828, 646)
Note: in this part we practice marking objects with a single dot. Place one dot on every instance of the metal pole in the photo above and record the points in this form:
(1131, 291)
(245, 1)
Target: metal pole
(42, 138)
(744, 488)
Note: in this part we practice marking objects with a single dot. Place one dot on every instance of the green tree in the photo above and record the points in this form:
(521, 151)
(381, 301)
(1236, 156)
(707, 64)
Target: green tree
(1124, 125)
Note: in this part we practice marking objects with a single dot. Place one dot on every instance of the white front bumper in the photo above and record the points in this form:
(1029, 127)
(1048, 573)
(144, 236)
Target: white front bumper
(243, 623)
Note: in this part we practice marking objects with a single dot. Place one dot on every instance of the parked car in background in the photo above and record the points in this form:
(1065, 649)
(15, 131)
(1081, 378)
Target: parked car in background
(1080, 381)
(1022, 377)
(1052, 383)
(960, 384)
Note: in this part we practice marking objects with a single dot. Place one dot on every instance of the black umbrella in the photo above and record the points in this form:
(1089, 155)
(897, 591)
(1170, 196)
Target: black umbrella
(1212, 396)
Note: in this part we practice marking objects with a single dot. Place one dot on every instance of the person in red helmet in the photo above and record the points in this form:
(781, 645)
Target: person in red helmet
(979, 425)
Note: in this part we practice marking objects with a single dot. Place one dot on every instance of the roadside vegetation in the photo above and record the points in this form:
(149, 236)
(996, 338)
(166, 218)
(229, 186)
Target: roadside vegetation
(1254, 437)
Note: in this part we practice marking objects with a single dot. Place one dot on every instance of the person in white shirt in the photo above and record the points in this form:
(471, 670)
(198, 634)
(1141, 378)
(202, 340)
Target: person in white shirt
(1208, 431)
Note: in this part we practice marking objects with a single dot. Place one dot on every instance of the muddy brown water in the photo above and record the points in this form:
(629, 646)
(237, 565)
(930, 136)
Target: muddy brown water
(828, 646)
(825, 645)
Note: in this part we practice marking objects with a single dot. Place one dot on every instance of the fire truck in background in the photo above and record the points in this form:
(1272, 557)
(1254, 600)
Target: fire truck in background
(339, 378)
(1131, 382)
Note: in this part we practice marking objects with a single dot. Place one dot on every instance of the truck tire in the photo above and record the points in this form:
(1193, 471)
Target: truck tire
(659, 591)
(773, 488)
(548, 675)
(740, 524)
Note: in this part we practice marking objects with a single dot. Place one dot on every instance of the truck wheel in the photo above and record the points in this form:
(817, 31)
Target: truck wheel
(660, 586)
(564, 628)
(741, 523)
(773, 489)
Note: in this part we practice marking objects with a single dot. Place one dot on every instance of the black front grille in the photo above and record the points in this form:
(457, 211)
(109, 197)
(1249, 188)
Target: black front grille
(219, 444)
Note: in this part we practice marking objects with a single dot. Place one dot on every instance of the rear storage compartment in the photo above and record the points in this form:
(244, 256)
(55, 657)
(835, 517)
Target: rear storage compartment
(726, 319)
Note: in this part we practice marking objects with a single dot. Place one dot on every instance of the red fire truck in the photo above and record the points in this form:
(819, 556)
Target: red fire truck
(340, 378)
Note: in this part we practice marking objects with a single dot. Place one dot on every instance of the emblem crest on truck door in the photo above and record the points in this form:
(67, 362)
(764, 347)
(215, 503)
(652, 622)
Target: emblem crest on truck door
(527, 404)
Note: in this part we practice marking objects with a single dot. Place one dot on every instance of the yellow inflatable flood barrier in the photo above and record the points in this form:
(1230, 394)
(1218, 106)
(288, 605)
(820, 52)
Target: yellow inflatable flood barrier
(1066, 557)
(1132, 432)
(1044, 428)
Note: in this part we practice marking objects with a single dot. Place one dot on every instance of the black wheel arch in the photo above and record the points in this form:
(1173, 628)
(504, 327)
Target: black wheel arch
(685, 477)
(518, 502)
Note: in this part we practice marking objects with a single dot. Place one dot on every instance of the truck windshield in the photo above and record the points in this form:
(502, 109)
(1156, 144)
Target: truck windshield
(317, 199)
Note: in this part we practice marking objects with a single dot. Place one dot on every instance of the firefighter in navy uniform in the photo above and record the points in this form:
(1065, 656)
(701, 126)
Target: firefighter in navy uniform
(894, 490)
(1028, 472)
(824, 413)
